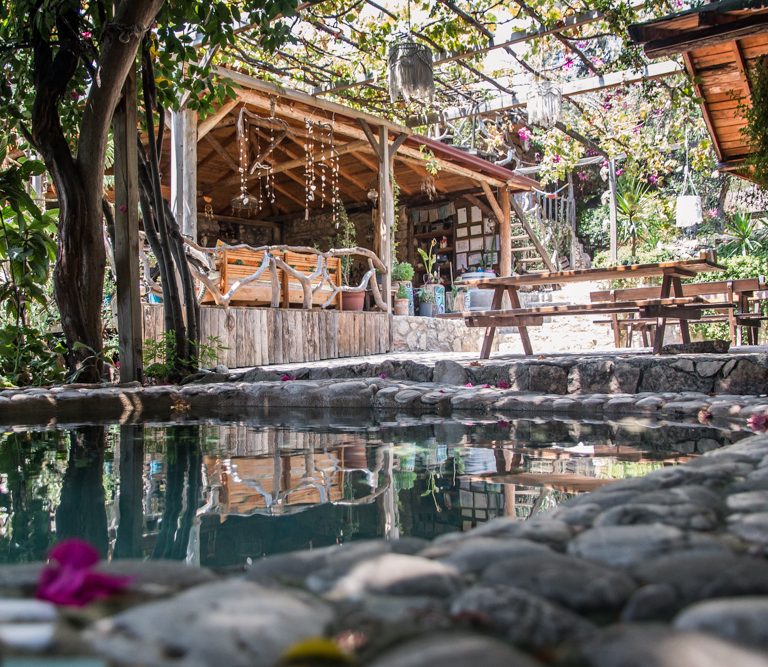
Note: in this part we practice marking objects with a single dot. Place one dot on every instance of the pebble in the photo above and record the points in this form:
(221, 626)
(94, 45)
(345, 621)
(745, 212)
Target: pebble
(742, 620)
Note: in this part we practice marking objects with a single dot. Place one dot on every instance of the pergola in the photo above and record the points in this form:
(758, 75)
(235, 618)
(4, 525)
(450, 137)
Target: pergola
(205, 167)
(719, 43)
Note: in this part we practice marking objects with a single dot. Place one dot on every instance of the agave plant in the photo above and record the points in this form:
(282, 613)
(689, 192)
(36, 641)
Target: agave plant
(745, 235)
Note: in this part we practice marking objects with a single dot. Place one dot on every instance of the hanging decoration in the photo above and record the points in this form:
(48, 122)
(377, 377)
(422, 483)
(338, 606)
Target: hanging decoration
(249, 140)
(544, 103)
(411, 71)
(321, 168)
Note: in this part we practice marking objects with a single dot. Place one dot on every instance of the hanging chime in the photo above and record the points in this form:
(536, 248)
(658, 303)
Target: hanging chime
(544, 103)
(411, 73)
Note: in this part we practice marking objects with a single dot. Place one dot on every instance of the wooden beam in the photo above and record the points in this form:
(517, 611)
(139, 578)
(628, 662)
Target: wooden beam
(569, 89)
(742, 67)
(497, 212)
(612, 210)
(472, 199)
(688, 40)
(221, 151)
(704, 109)
(371, 139)
(212, 121)
(240, 221)
(274, 143)
(386, 215)
(505, 233)
(129, 315)
(184, 170)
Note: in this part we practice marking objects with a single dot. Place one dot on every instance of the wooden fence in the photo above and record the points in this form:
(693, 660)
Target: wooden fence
(263, 336)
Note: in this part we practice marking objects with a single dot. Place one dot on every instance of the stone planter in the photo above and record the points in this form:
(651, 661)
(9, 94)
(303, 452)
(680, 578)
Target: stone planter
(352, 300)
(401, 306)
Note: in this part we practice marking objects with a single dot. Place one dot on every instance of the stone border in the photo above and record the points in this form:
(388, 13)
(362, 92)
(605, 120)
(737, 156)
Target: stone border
(667, 569)
(71, 404)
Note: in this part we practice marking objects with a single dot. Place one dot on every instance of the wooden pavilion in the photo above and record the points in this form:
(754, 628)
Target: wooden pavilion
(291, 135)
(719, 43)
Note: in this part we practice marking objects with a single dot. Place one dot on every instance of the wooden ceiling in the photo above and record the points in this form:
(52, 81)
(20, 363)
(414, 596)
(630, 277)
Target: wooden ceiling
(282, 145)
(719, 42)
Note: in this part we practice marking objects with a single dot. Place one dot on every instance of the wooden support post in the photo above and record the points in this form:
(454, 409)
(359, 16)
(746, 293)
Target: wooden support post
(614, 236)
(129, 317)
(386, 214)
(505, 234)
(184, 171)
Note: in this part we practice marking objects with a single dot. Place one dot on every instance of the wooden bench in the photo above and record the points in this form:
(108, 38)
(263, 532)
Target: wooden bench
(234, 265)
(741, 301)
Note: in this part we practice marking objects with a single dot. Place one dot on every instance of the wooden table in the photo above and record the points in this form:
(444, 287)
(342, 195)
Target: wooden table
(670, 301)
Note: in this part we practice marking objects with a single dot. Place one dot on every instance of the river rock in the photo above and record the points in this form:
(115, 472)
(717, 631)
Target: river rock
(476, 553)
(454, 650)
(572, 582)
(742, 620)
(658, 646)
(235, 623)
(524, 618)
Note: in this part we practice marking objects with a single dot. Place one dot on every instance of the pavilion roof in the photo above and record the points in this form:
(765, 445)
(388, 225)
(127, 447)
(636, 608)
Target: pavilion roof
(719, 43)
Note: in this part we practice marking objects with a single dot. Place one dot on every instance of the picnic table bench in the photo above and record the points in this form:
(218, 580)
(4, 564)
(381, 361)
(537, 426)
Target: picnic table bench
(743, 298)
(668, 301)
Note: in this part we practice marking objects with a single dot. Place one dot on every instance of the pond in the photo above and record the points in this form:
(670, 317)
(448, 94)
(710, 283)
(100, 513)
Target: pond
(221, 494)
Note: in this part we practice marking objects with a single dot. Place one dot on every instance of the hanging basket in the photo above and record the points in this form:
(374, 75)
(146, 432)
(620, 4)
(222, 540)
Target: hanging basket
(411, 73)
(544, 103)
(688, 212)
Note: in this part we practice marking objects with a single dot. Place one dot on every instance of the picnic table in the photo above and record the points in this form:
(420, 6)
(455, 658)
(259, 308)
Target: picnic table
(669, 303)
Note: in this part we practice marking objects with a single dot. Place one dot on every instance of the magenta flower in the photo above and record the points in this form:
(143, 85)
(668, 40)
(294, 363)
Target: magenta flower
(503, 423)
(71, 580)
(503, 384)
(469, 384)
(712, 212)
(619, 171)
(287, 378)
(537, 156)
(583, 175)
(653, 179)
(525, 134)
(582, 44)
(568, 64)
(556, 158)
(383, 376)
(486, 386)
(758, 423)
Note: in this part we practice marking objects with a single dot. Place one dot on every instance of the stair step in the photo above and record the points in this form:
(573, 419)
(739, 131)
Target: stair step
(521, 237)
(527, 248)
(530, 260)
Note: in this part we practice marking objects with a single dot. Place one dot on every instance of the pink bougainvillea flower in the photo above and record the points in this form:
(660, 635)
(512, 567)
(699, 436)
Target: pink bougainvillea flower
(525, 134)
(503, 384)
(287, 378)
(568, 64)
(758, 422)
(556, 158)
(469, 384)
(70, 578)
(486, 386)
(619, 171)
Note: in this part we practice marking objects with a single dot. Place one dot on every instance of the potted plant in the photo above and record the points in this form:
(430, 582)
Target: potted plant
(402, 272)
(401, 300)
(347, 238)
(429, 258)
(426, 302)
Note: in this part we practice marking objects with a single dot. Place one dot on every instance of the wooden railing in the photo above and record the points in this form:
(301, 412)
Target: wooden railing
(206, 264)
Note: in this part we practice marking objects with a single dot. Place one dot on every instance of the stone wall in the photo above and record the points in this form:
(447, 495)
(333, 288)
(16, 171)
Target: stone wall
(432, 334)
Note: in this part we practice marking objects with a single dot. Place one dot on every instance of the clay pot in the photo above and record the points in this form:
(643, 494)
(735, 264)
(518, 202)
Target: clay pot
(352, 300)
(401, 306)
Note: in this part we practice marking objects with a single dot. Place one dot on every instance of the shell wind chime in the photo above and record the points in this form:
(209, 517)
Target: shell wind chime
(321, 168)
(411, 70)
(544, 103)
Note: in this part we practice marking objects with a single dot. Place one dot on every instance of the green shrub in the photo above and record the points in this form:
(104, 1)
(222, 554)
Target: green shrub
(592, 227)
(402, 271)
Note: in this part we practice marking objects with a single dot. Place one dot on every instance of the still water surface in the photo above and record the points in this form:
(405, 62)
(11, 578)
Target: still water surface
(218, 494)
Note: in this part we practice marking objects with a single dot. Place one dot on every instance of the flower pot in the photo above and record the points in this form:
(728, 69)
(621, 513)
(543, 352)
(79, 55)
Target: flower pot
(401, 306)
(352, 300)
(425, 309)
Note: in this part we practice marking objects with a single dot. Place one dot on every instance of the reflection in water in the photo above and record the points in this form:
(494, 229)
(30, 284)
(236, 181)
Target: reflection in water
(218, 494)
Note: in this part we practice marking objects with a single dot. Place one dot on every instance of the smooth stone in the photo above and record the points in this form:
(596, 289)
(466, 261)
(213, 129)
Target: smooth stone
(572, 582)
(16, 610)
(522, 617)
(578, 516)
(20, 577)
(454, 650)
(650, 645)
(752, 528)
(234, 623)
(698, 576)
(34, 637)
(396, 574)
(742, 620)
(680, 516)
(476, 553)
(624, 546)
(549, 531)
(654, 602)
(158, 576)
(750, 501)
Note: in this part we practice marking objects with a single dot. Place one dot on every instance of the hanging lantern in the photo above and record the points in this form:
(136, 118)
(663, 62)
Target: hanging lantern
(543, 104)
(688, 211)
(410, 70)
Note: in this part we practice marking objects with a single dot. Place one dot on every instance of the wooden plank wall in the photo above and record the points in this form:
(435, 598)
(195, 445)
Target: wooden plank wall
(264, 336)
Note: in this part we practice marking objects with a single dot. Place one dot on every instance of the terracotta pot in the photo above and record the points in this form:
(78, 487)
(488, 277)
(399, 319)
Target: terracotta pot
(401, 306)
(352, 300)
